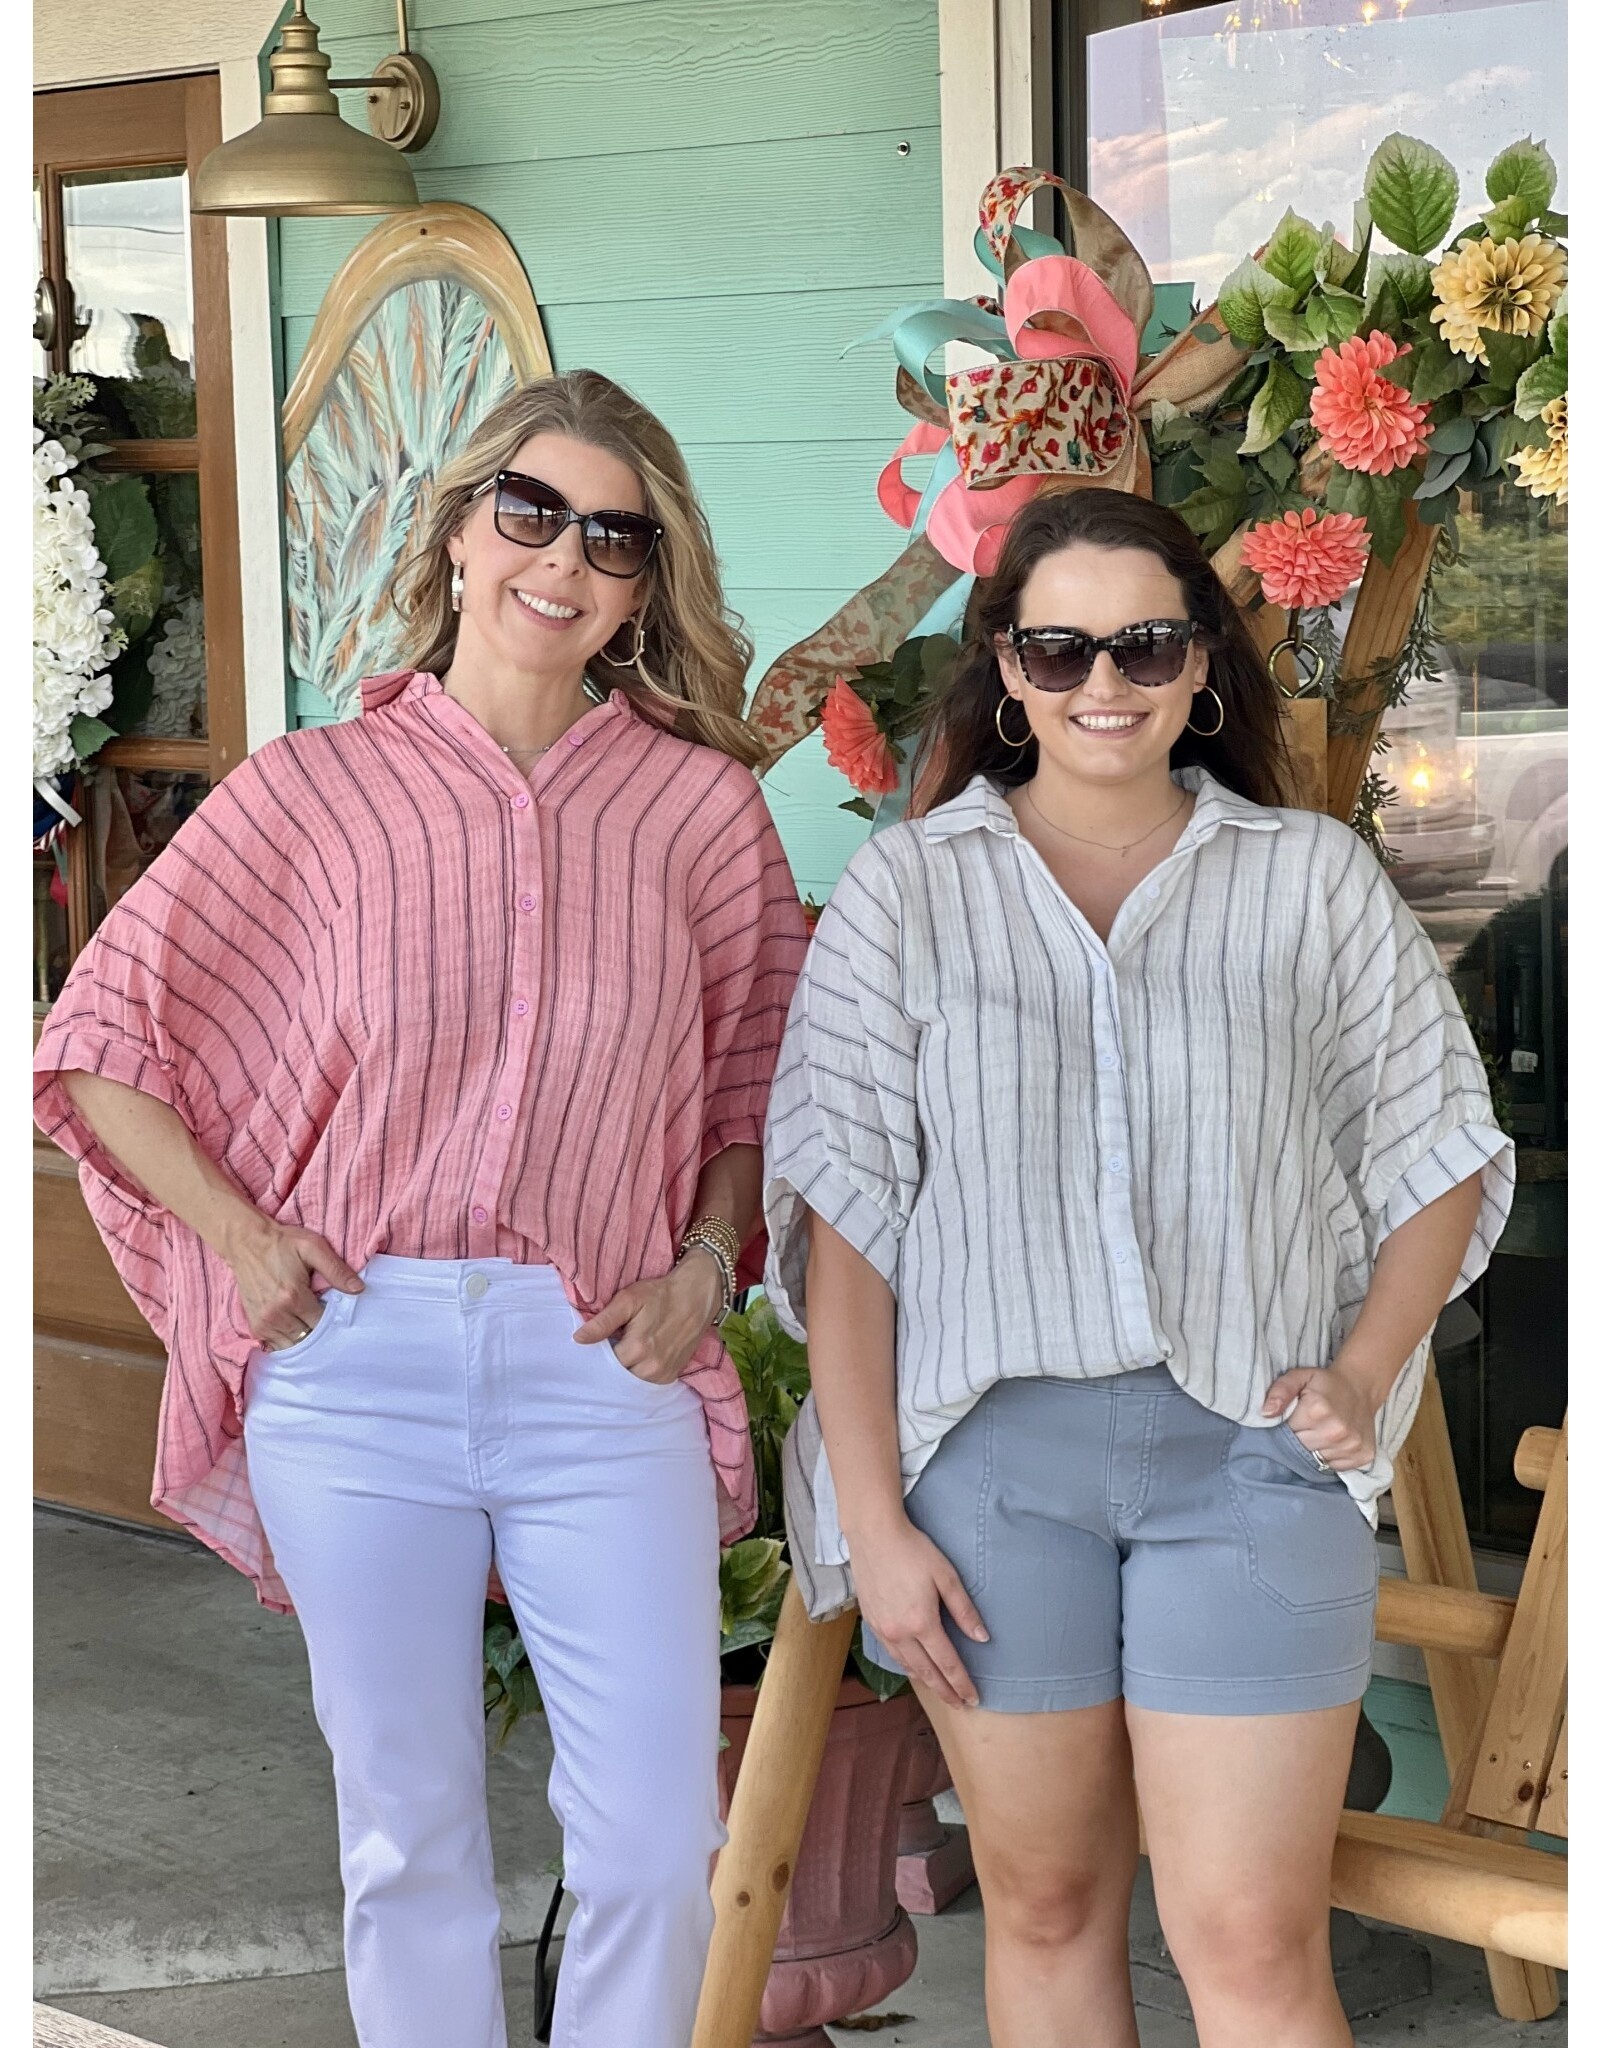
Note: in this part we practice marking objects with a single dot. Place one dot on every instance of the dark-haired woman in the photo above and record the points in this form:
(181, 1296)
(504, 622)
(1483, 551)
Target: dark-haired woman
(1126, 1142)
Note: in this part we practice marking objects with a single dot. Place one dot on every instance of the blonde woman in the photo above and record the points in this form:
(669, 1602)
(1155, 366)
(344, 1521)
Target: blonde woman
(419, 1090)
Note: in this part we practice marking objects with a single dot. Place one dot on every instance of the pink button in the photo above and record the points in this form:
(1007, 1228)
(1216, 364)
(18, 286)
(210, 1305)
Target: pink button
(519, 1008)
(527, 903)
(504, 1112)
(480, 1215)
(574, 739)
(520, 801)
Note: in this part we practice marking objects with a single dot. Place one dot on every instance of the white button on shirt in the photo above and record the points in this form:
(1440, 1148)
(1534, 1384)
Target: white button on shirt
(1071, 1159)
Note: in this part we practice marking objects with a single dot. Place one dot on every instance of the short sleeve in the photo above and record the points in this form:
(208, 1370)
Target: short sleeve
(1405, 1096)
(189, 982)
(750, 934)
(842, 1134)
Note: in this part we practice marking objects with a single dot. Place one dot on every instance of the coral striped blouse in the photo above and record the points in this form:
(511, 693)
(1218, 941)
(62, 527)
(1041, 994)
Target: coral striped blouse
(425, 1007)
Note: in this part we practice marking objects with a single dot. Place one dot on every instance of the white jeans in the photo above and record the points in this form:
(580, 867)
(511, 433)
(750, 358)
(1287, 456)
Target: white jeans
(442, 1416)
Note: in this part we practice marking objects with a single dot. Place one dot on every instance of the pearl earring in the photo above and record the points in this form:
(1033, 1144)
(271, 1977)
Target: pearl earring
(458, 581)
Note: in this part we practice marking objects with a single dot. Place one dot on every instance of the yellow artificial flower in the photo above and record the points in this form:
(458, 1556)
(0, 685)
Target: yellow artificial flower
(1507, 287)
(1543, 471)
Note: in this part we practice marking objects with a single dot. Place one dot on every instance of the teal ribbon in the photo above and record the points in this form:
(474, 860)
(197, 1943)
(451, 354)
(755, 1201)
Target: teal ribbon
(919, 332)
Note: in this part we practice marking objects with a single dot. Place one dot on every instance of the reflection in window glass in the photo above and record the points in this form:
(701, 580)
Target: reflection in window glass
(1204, 128)
(126, 236)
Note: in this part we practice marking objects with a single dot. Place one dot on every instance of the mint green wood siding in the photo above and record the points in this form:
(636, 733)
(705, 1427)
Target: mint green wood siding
(710, 201)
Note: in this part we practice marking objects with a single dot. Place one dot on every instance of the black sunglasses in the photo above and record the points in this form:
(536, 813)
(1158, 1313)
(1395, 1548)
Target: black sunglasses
(534, 514)
(1060, 657)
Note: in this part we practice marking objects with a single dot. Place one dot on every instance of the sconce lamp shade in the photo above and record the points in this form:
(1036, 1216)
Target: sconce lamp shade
(302, 157)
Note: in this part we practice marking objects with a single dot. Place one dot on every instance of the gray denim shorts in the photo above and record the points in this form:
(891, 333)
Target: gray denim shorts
(1119, 1539)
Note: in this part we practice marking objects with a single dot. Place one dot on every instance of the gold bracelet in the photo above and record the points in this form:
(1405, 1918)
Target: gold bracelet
(717, 1236)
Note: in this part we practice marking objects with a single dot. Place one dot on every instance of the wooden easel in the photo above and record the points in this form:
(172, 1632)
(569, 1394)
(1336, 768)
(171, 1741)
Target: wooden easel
(1502, 1728)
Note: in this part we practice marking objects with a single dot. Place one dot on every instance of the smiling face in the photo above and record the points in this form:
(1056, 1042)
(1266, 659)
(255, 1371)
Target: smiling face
(545, 611)
(1107, 730)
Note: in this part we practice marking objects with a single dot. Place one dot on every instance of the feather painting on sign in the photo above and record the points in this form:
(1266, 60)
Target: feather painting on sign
(430, 322)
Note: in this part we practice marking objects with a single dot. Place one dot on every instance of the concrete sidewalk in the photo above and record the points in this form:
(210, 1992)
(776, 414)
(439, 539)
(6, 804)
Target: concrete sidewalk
(187, 1880)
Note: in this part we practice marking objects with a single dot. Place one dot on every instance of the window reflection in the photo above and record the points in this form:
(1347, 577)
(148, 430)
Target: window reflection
(1203, 127)
(126, 242)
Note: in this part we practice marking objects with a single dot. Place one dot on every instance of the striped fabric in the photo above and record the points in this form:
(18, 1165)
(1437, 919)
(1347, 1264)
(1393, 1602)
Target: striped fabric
(429, 1009)
(1074, 1159)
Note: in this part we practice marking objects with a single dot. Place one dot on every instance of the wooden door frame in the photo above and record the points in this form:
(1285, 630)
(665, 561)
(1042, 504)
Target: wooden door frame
(89, 128)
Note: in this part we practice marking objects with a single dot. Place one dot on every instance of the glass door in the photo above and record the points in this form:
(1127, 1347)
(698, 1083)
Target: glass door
(133, 295)
(1196, 127)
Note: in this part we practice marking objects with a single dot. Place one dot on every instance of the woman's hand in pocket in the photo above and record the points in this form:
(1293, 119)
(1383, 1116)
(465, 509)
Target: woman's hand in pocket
(274, 1264)
(1331, 1412)
(906, 1585)
(655, 1326)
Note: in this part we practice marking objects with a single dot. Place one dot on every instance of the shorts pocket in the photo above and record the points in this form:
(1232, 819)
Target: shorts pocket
(950, 1501)
(1309, 1546)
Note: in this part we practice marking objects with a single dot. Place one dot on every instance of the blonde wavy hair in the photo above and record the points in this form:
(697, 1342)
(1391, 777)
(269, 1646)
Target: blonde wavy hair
(694, 656)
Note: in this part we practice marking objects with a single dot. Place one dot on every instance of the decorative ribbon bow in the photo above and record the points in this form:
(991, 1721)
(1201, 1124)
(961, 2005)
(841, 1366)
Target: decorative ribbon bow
(1056, 408)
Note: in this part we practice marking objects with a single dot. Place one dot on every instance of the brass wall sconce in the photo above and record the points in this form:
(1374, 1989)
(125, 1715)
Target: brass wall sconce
(302, 157)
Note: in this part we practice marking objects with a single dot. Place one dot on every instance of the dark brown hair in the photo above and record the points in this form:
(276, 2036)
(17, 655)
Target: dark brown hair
(961, 739)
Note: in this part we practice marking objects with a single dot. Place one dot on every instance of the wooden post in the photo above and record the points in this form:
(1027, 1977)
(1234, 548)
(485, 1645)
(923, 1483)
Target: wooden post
(1385, 606)
(768, 1818)
(1438, 1552)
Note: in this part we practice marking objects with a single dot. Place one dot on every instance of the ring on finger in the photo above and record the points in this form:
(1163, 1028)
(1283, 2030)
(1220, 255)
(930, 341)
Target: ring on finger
(1319, 1460)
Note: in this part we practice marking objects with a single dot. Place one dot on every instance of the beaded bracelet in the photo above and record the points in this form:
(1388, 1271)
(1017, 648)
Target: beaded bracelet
(715, 1235)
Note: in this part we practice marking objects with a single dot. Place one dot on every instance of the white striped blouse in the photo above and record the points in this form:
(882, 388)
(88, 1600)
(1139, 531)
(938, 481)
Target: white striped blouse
(1071, 1158)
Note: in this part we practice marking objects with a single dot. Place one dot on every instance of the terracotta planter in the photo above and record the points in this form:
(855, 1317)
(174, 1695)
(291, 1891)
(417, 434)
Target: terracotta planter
(934, 1864)
(844, 1942)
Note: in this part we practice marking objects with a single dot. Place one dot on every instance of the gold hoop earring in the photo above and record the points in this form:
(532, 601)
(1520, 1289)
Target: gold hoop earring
(1016, 746)
(1211, 732)
(630, 660)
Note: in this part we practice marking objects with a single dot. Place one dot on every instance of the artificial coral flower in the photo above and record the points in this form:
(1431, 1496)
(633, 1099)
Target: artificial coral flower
(1366, 422)
(1543, 471)
(1306, 559)
(1506, 287)
(853, 743)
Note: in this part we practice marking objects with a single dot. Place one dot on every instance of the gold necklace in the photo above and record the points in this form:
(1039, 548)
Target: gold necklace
(1104, 845)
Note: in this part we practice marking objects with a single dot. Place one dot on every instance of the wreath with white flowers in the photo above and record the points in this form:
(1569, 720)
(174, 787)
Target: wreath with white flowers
(75, 635)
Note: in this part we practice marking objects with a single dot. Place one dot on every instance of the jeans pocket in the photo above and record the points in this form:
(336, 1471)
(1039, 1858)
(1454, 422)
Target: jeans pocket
(1309, 1546)
(336, 1307)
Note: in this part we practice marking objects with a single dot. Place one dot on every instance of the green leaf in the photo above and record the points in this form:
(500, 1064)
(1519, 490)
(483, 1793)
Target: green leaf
(1209, 512)
(1287, 326)
(1411, 277)
(1244, 294)
(1206, 332)
(860, 807)
(1439, 510)
(1291, 255)
(1525, 170)
(1412, 191)
(1539, 383)
(1279, 464)
(1385, 310)
(1512, 217)
(1445, 470)
(1509, 355)
(1345, 315)
(1335, 263)
(133, 689)
(1555, 225)
(1277, 405)
(1379, 500)
(88, 735)
(1453, 437)
(1438, 370)
(124, 525)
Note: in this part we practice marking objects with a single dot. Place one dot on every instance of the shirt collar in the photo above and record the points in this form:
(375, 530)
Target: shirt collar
(982, 806)
(406, 684)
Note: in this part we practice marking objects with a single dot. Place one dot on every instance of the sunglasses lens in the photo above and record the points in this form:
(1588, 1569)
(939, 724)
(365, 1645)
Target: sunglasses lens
(529, 512)
(619, 545)
(1058, 663)
(1151, 658)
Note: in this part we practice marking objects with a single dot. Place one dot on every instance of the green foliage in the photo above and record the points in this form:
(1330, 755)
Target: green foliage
(1244, 295)
(900, 693)
(776, 1377)
(1412, 191)
(1293, 253)
(1525, 171)
(1274, 409)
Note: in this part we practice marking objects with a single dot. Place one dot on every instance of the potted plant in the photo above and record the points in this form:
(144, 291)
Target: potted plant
(844, 1943)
